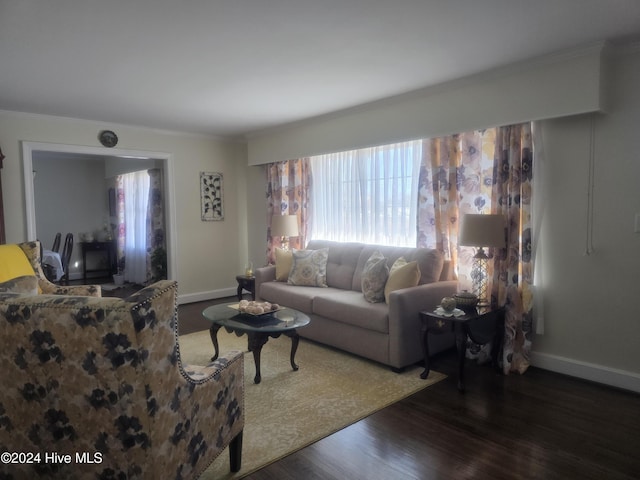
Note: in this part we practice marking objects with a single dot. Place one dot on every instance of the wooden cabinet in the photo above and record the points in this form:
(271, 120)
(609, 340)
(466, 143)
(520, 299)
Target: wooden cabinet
(108, 252)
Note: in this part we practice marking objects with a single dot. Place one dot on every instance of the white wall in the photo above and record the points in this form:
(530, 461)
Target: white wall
(591, 320)
(208, 257)
(592, 326)
(70, 197)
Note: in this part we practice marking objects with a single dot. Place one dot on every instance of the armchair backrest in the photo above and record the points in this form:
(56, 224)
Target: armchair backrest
(32, 251)
(102, 377)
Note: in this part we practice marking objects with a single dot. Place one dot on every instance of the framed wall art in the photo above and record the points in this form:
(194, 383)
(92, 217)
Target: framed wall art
(211, 196)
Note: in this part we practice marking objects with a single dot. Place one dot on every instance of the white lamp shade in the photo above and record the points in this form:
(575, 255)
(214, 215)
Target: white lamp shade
(284, 226)
(478, 230)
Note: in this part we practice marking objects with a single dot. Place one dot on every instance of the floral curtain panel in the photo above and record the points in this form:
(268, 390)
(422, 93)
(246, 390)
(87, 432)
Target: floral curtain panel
(486, 171)
(156, 230)
(120, 222)
(455, 178)
(141, 234)
(288, 187)
(513, 268)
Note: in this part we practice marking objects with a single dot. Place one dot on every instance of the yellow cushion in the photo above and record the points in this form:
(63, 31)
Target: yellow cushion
(402, 274)
(13, 263)
(284, 261)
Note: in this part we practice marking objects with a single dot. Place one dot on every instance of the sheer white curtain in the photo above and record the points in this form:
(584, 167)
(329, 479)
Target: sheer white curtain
(136, 194)
(368, 195)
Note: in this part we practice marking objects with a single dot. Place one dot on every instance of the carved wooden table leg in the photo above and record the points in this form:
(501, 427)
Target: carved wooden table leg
(295, 339)
(256, 341)
(425, 351)
(213, 332)
(460, 330)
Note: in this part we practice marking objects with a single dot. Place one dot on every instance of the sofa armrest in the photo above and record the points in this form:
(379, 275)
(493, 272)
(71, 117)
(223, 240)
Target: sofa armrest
(423, 297)
(263, 275)
(405, 306)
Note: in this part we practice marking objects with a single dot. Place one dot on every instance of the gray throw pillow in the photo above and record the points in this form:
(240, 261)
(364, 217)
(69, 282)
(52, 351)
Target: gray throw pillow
(309, 268)
(374, 277)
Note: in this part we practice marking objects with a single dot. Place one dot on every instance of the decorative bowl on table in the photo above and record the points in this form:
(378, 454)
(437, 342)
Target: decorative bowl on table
(255, 308)
(466, 300)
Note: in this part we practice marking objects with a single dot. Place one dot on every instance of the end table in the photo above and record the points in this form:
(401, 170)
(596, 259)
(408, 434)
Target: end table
(482, 325)
(248, 284)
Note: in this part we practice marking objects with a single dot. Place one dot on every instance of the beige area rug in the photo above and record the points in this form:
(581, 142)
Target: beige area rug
(289, 410)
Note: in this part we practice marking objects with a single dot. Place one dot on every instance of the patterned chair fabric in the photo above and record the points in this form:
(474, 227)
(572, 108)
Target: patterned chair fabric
(32, 251)
(100, 380)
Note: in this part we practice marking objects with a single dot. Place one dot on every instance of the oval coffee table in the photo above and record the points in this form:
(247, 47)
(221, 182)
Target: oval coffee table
(258, 328)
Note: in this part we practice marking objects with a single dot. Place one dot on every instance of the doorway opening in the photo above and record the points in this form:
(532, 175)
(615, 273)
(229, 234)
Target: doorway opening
(69, 185)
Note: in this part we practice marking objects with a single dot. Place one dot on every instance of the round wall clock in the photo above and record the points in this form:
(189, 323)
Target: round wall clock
(108, 138)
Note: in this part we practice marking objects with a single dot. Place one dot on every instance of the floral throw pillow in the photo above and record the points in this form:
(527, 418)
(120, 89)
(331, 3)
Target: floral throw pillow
(374, 277)
(309, 268)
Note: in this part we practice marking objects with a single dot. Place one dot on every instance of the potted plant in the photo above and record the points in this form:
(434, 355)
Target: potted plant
(118, 278)
(159, 264)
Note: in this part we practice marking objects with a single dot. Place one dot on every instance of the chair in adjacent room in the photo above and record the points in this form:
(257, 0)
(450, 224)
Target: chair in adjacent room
(67, 250)
(56, 243)
(103, 378)
(49, 270)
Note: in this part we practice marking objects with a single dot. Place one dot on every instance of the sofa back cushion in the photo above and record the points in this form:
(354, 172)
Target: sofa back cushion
(430, 262)
(341, 263)
(347, 259)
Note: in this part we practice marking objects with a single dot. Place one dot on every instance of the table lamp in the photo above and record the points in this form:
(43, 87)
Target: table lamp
(477, 230)
(284, 226)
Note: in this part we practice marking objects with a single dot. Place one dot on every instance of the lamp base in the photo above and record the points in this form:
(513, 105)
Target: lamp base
(479, 276)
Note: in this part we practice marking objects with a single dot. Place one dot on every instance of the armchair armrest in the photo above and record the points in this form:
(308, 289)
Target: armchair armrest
(203, 373)
(206, 404)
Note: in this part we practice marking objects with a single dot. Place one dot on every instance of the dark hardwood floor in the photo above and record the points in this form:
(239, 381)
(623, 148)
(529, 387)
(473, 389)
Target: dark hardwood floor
(540, 425)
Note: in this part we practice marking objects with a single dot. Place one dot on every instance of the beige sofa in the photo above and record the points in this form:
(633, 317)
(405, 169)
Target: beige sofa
(389, 333)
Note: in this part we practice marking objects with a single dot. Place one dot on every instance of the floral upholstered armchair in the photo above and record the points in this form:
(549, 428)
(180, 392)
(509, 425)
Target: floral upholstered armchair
(94, 388)
(25, 283)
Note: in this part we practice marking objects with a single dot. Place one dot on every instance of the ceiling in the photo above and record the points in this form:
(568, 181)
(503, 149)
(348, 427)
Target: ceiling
(234, 67)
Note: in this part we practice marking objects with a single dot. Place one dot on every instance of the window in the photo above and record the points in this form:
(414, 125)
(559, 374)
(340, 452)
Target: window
(133, 217)
(368, 195)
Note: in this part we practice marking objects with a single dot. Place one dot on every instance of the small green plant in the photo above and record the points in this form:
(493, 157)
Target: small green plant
(158, 264)
(121, 265)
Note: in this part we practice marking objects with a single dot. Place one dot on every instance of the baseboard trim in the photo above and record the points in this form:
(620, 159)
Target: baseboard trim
(588, 371)
(209, 295)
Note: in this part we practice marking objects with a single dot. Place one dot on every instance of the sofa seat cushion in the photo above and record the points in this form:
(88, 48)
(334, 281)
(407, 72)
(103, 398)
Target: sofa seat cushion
(298, 297)
(350, 307)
